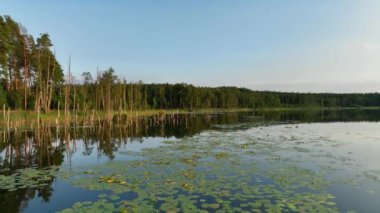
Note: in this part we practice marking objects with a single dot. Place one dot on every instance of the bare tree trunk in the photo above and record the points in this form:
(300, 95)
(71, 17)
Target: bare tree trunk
(67, 91)
(45, 97)
(75, 94)
(51, 89)
(109, 97)
(38, 87)
(25, 79)
(131, 97)
(103, 98)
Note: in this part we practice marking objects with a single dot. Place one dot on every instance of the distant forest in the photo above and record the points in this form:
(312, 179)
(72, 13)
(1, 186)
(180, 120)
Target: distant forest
(31, 78)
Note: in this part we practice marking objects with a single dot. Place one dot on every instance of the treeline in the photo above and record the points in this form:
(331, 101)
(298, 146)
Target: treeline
(32, 79)
(104, 93)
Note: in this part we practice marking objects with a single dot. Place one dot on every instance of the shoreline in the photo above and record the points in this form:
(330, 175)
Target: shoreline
(55, 115)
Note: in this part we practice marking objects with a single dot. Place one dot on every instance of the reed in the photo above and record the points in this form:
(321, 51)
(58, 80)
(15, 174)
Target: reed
(27, 119)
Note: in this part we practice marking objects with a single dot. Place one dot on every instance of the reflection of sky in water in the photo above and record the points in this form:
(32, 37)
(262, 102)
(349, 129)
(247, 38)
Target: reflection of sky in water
(64, 194)
(94, 157)
(343, 153)
(359, 141)
(351, 148)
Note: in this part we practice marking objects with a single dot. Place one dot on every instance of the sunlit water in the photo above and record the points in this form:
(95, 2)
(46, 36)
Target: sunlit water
(225, 163)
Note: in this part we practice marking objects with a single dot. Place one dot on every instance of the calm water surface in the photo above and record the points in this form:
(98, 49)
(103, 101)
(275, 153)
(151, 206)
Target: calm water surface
(318, 161)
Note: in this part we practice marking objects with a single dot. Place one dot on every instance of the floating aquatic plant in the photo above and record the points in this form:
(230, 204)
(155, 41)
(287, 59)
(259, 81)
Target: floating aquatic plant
(208, 184)
(27, 178)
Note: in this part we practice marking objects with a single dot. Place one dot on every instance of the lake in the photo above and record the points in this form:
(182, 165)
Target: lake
(291, 161)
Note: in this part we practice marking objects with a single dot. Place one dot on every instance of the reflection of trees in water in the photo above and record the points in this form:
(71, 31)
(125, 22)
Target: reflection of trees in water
(50, 145)
(109, 137)
(22, 149)
(321, 115)
(15, 201)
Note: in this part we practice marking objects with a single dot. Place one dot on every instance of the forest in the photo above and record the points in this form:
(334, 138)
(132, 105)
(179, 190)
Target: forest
(31, 78)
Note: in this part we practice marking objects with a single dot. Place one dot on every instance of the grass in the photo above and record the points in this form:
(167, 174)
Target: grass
(20, 118)
(53, 114)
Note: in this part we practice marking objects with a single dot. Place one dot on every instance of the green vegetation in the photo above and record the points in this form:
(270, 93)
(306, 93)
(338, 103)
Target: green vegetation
(29, 177)
(32, 79)
(228, 162)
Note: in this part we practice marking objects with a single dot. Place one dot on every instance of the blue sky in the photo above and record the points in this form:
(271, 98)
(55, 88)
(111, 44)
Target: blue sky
(287, 45)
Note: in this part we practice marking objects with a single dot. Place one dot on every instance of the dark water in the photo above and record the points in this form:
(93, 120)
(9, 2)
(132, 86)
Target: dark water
(311, 161)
